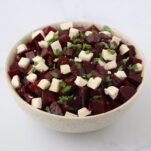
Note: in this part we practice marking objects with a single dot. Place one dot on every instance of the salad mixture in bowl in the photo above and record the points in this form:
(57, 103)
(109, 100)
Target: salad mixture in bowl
(75, 71)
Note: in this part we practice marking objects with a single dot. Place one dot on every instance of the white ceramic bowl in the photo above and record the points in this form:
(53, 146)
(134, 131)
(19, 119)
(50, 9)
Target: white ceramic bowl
(74, 125)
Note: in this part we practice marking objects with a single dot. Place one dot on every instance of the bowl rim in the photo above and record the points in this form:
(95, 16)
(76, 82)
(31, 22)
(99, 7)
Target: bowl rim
(84, 23)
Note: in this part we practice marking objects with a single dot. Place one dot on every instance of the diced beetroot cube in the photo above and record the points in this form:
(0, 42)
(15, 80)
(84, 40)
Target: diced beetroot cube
(70, 80)
(135, 78)
(57, 73)
(134, 60)
(92, 28)
(96, 51)
(126, 82)
(116, 81)
(131, 50)
(30, 54)
(39, 37)
(93, 38)
(27, 97)
(114, 104)
(98, 91)
(56, 109)
(97, 106)
(95, 73)
(49, 60)
(88, 66)
(48, 75)
(46, 30)
(13, 72)
(32, 86)
(74, 70)
(44, 52)
(126, 92)
(64, 39)
(84, 95)
(101, 70)
(68, 52)
(47, 98)
(62, 60)
(104, 37)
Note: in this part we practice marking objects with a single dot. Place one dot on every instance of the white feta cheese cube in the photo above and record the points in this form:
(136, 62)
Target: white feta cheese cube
(110, 65)
(15, 81)
(44, 84)
(84, 56)
(49, 36)
(94, 83)
(76, 59)
(120, 74)
(55, 84)
(43, 44)
(109, 72)
(38, 59)
(36, 103)
(65, 69)
(56, 46)
(56, 59)
(79, 81)
(21, 48)
(123, 49)
(24, 62)
(73, 32)
(87, 33)
(36, 33)
(66, 25)
(31, 77)
(70, 115)
(139, 67)
(101, 63)
(107, 55)
(69, 44)
(106, 33)
(112, 91)
(83, 112)
(41, 67)
(116, 40)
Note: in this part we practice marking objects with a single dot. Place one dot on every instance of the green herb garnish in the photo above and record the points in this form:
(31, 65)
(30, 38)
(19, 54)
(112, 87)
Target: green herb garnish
(100, 57)
(109, 80)
(47, 109)
(87, 46)
(103, 45)
(111, 51)
(52, 66)
(75, 46)
(106, 28)
(58, 53)
(96, 97)
(54, 38)
(87, 76)
(54, 74)
(78, 65)
(95, 60)
(62, 99)
(76, 40)
(132, 67)
(64, 87)
(113, 45)
(125, 60)
(32, 70)
(120, 68)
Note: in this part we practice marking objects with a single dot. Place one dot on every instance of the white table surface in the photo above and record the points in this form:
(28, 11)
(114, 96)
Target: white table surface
(18, 132)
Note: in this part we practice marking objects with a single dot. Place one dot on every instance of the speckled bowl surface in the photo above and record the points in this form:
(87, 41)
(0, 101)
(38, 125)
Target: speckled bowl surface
(74, 125)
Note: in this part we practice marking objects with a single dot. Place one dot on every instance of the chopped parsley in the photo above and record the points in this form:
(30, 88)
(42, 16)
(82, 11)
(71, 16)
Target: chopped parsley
(78, 65)
(111, 51)
(62, 99)
(75, 46)
(113, 45)
(58, 53)
(54, 74)
(96, 97)
(64, 87)
(52, 66)
(125, 60)
(87, 76)
(76, 40)
(120, 68)
(32, 70)
(109, 80)
(47, 109)
(95, 60)
(54, 38)
(87, 46)
(103, 45)
(132, 67)
(106, 28)
(100, 57)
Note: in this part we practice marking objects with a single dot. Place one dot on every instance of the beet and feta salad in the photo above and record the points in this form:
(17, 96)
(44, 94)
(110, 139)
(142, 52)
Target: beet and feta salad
(75, 71)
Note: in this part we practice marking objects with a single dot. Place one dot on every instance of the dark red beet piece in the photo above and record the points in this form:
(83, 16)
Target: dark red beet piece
(46, 30)
(47, 98)
(13, 72)
(97, 106)
(70, 80)
(101, 70)
(30, 54)
(68, 52)
(64, 38)
(92, 28)
(104, 37)
(39, 37)
(88, 66)
(126, 82)
(126, 92)
(93, 38)
(48, 75)
(134, 60)
(49, 60)
(74, 70)
(116, 81)
(44, 52)
(55, 109)
(131, 50)
(62, 60)
(95, 73)
(135, 78)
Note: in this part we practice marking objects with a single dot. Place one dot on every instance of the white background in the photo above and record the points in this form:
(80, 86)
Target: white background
(18, 132)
